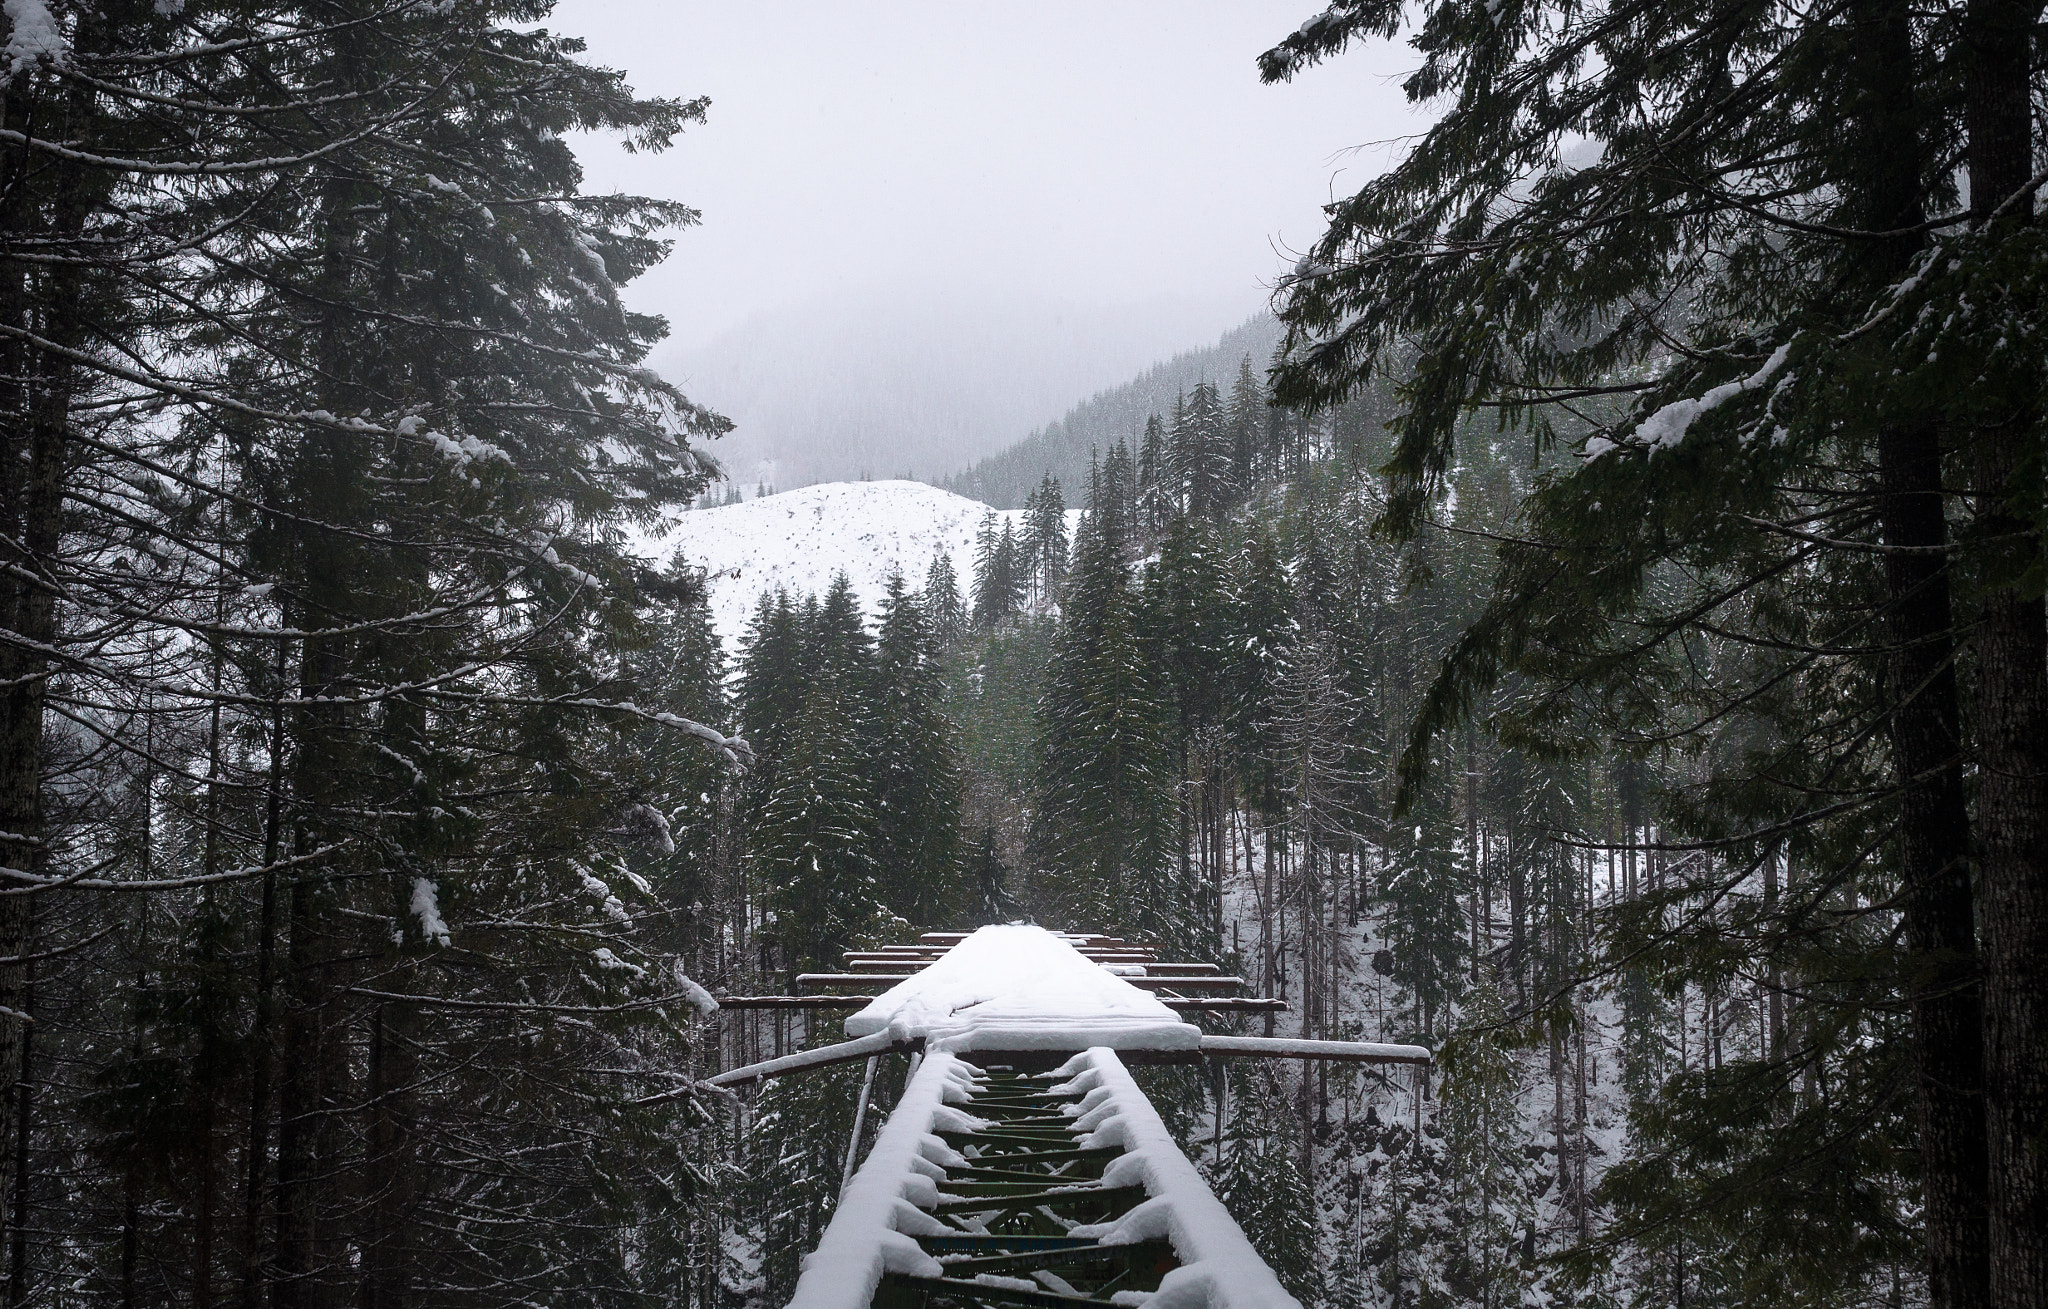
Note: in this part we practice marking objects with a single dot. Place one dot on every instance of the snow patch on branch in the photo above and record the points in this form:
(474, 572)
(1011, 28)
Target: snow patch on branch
(426, 906)
(611, 963)
(459, 450)
(601, 891)
(704, 1002)
(32, 36)
(1666, 428)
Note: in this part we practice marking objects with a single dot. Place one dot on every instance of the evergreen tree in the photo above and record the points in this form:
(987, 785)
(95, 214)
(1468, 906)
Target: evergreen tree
(1104, 787)
(1045, 538)
(1484, 1131)
(1424, 922)
(1158, 496)
(1262, 1185)
(1000, 575)
(1245, 423)
(814, 845)
(1776, 382)
(1200, 453)
(943, 608)
(916, 770)
(798, 1134)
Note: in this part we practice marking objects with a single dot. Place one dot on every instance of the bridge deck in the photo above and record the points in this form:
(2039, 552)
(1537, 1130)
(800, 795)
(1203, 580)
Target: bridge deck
(995, 1184)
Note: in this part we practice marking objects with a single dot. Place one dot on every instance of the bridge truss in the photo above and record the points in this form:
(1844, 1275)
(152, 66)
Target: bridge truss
(1022, 1164)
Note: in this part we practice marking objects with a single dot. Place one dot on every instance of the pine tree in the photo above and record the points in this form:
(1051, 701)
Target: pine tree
(915, 771)
(1104, 783)
(1482, 1118)
(944, 610)
(1000, 575)
(1261, 1183)
(1246, 425)
(1199, 453)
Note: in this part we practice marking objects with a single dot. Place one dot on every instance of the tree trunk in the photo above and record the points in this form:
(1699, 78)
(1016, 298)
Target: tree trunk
(34, 441)
(2011, 719)
(1934, 837)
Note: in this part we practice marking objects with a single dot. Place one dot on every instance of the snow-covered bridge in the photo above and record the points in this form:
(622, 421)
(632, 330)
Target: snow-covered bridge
(1022, 1165)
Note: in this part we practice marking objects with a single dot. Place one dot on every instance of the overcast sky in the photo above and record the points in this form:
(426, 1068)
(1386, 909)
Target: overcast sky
(1101, 153)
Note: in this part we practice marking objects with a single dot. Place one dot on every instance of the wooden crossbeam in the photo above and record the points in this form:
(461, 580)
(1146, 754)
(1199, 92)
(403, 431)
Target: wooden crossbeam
(1148, 983)
(1356, 1052)
(805, 1060)
(905, 964)
(1221, 1004)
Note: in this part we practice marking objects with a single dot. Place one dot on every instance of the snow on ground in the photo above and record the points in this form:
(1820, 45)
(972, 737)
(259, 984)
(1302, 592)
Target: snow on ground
(800, 539)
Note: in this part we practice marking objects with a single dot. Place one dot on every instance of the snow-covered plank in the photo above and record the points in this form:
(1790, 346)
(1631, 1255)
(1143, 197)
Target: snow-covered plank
(1288, 1047)
(880, 1211)
(1219, 1269)
(1017, 987)
(1134, 974)
(805, 1060)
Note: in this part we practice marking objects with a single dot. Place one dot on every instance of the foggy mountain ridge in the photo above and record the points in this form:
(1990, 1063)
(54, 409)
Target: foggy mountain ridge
(889, 381)
(1063, 448)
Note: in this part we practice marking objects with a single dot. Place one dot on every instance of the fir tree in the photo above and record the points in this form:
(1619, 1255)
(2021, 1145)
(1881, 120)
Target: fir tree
(1246, 424)
(1833, 411)
(916, 771)
(1485, 1134)
(943, 608)
(1158, 497)
(1045, 538)
(1262, 1185)
(1199, 453)
(1424, 922)
(1104, 784)
(1000, 575)
(815, 841)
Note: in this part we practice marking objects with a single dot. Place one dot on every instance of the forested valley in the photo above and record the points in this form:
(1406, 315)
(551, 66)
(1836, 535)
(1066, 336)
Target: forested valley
(1603, 643)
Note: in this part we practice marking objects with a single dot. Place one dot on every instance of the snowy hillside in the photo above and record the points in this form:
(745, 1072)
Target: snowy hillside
(800, 539)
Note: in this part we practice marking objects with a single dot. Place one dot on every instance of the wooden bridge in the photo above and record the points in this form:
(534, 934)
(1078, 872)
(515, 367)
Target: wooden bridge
(1023, 1165)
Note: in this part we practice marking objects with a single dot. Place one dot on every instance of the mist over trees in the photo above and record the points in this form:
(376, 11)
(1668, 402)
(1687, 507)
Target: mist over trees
(1062, 449)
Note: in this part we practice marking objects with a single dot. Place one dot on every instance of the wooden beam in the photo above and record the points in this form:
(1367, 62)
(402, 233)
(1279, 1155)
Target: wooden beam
(805, 1060)
(1357, 1052)
(1225, 1004)
(1146, 983)
(1208, 1004)
(794, 1001)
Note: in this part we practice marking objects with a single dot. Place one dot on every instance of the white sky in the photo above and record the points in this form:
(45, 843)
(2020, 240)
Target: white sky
(1100, 153)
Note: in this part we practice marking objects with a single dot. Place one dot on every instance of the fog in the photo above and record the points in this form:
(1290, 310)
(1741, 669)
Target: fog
(1028, 202)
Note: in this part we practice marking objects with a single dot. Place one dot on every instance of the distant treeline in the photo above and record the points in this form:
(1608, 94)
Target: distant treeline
(1063, 449)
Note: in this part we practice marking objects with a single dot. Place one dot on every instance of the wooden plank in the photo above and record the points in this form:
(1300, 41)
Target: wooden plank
(1146, 983)
(982, 1292)
(1180, 1004)
(805, 1060)
(1357, 1052)
(1022, 1199)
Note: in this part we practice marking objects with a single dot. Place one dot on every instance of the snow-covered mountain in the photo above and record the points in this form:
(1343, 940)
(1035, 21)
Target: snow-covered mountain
(801, 539)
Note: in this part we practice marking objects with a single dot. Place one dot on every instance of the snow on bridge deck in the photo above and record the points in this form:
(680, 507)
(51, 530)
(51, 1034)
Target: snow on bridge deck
(1018, 988)
(984, 1170)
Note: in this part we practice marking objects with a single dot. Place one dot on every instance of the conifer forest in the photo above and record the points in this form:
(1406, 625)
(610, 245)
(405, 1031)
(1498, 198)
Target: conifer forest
(1603, 641)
